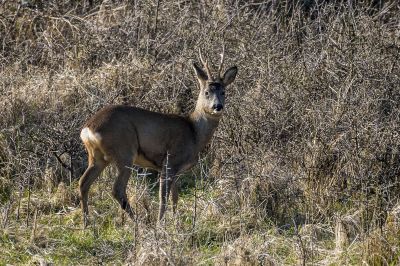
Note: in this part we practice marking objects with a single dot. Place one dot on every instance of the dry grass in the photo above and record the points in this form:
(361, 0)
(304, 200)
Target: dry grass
(304, 168)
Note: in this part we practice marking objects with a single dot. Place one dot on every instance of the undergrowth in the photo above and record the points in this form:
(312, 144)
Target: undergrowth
(303, 169)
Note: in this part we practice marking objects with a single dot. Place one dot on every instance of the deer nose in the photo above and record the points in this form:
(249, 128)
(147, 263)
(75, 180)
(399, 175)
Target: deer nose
(217, 107)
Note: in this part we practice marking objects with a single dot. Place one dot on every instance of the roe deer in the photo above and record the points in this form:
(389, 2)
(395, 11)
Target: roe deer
(126, 135)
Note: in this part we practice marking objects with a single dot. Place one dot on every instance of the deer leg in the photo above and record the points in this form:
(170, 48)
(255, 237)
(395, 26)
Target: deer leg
(89, 176)
(166, 181)
(174, 195)
(119, 189)
(165, 188)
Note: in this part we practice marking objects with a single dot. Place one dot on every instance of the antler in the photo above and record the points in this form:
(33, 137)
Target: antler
(222, 60)
(205, 64)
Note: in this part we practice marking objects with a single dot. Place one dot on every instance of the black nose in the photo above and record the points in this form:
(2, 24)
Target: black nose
(217, 107)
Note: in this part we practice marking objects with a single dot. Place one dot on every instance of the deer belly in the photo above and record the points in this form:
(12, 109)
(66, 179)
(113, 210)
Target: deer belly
(142, 161)
(187, 166)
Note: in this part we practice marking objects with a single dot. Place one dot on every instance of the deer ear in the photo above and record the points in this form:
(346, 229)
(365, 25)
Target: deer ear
(201, 75)
(229, 75)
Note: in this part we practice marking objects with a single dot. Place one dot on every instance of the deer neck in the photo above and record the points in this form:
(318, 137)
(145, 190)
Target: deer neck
(204, 127)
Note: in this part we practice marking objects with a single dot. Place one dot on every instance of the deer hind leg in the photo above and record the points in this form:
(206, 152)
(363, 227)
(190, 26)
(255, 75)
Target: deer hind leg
(120, 184)
(95, 167)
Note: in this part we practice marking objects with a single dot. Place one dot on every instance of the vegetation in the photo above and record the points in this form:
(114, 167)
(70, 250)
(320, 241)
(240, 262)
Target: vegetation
(304, 167)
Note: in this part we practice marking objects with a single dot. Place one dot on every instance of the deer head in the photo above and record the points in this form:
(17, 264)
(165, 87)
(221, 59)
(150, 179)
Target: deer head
(211, 99)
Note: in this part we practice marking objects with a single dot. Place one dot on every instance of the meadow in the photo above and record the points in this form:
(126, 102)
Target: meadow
(304, 168)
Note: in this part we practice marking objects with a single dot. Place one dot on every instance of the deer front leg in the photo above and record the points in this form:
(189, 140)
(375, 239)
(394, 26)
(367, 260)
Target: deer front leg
(166, 179)
(165, 188)
(174, 195)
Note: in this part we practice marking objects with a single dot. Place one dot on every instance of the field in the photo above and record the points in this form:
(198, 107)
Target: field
(304, 168)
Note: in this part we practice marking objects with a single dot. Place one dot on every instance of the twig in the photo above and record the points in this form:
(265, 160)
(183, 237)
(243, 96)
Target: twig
(34, 226)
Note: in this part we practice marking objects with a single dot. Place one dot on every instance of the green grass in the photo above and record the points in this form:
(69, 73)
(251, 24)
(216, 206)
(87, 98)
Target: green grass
(60, 239)
(65, 246)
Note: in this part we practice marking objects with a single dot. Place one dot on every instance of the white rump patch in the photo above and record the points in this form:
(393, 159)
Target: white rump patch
(88, 135)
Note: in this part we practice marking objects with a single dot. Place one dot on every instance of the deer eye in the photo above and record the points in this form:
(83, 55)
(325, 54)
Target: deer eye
(206, 93)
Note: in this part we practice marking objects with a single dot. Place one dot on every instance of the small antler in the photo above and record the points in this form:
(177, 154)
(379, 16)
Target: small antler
(222, 60)
(205, 64)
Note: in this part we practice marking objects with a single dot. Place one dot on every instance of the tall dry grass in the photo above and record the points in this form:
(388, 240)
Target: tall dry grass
(310, 134)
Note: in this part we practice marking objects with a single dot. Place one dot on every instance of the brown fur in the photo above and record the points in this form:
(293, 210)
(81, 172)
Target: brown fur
(125, 135)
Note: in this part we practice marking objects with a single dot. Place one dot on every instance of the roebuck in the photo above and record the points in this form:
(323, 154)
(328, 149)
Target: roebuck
(126, 135)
